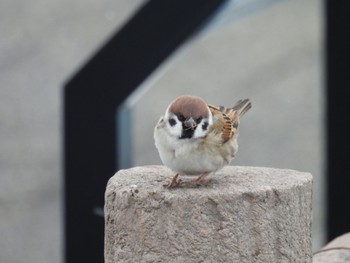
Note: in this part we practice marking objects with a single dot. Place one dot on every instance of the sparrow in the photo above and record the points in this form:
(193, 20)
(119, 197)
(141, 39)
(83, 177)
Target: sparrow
(196, 138)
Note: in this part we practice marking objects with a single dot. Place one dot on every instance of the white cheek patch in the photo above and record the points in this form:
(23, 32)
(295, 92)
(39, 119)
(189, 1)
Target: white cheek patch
(202, 129)
(175, 130)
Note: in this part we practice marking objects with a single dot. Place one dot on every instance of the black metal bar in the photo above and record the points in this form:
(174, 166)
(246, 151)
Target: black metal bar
(338, 97)
(90, 101)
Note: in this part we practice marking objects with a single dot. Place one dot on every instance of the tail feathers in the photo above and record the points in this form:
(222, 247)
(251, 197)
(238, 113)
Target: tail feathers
(241, 107)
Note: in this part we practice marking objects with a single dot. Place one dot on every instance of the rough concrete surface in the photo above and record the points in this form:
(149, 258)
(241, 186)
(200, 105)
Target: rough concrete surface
(245, 214)
(338, 250)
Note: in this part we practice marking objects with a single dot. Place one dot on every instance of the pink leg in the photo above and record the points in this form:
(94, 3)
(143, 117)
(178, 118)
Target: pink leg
(174, 182)
(202, 179)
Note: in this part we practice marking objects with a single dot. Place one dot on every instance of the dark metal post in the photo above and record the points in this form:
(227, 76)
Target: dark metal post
(338, 98)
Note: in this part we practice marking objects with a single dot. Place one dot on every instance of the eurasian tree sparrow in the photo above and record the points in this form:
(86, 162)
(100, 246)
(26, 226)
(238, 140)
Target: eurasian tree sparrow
(196, 138)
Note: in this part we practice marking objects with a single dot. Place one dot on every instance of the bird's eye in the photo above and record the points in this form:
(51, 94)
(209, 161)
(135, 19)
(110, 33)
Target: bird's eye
(198, 120)
(172, 122)
(181, 117)
(205, 125)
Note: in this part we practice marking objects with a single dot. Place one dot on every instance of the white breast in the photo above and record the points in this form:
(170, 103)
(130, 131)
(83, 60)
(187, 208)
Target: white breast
(190, 156)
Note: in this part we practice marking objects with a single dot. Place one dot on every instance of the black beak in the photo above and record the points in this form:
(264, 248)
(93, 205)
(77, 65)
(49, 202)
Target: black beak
(190, 123)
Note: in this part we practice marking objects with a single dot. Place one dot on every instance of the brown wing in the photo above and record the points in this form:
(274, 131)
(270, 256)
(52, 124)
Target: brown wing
(223, 124)
(226, 120)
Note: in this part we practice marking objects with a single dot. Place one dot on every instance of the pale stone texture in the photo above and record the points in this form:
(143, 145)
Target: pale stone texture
(338, 250)
(245, 214)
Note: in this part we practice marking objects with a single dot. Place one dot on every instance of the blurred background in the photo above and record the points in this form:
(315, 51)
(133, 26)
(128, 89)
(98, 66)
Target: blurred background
(268, 51)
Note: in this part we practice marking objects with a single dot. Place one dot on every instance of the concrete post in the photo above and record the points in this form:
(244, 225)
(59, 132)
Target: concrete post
(338, 250)
(245, 214)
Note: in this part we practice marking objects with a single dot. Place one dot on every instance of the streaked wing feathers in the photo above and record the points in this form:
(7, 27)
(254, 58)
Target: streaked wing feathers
(226, 120)
(223, 124)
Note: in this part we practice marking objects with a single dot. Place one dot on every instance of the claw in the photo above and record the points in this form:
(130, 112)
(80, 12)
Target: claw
(199, 181)
(202, 179)
(174, 182)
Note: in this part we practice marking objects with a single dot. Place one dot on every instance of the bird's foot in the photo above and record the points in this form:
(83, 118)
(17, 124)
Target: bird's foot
(174, 182)
(201, 180)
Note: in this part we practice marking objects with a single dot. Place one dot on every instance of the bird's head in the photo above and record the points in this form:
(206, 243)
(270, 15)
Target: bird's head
(188, 117)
